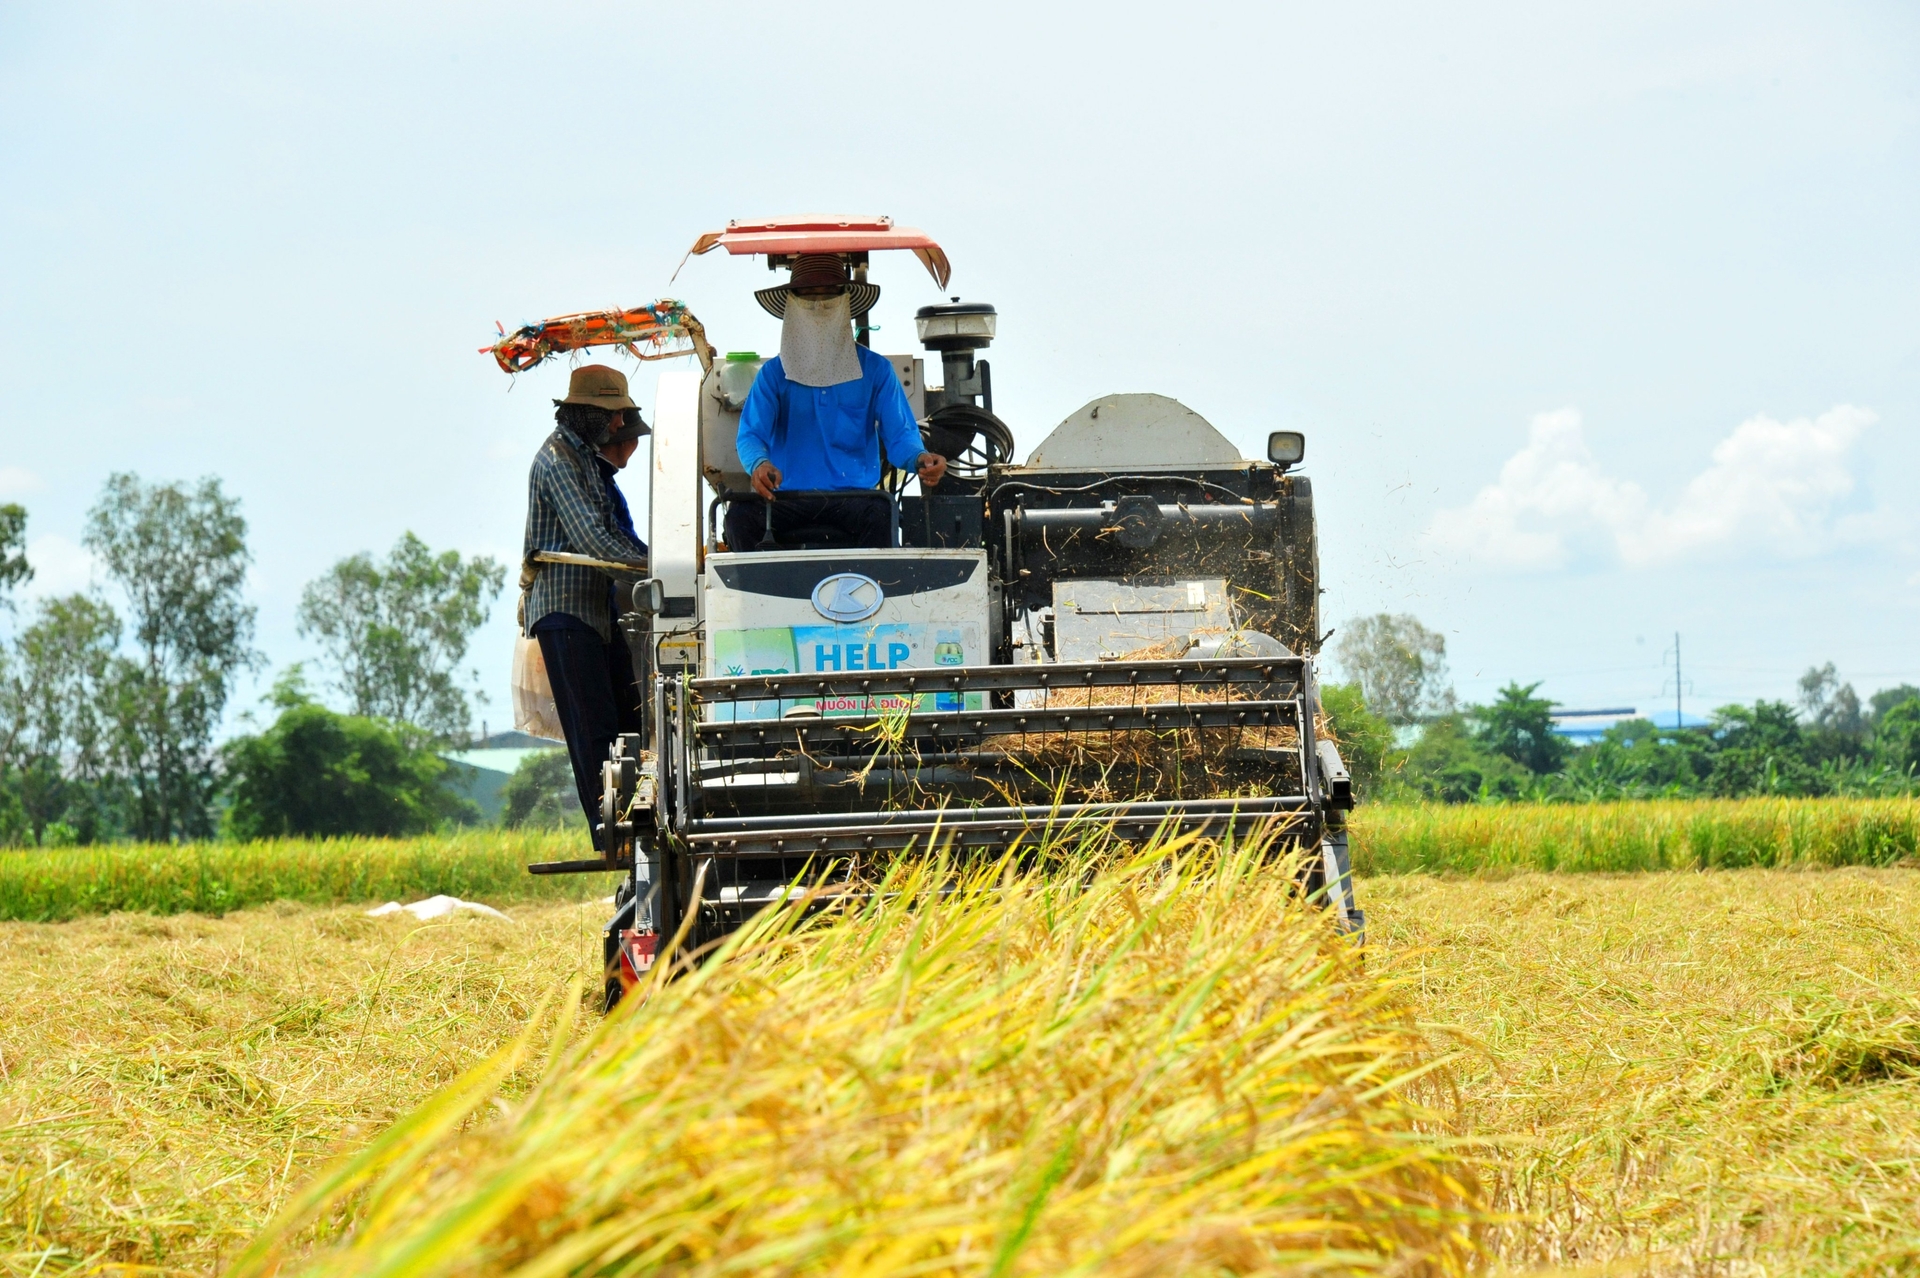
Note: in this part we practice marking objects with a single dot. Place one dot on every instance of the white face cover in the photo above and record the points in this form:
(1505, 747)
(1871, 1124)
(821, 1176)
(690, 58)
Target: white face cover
(816, 341)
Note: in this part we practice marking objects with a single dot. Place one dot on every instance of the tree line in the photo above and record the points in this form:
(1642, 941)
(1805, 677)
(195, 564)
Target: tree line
(112, 699)
(1407, 737)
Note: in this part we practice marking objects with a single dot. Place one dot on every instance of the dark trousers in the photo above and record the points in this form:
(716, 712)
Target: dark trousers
(863, 522)
(595, 692)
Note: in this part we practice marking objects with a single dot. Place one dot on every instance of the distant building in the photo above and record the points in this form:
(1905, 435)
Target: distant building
(1664, 719)
(516, 741)
(1584, 727)
(480, 773)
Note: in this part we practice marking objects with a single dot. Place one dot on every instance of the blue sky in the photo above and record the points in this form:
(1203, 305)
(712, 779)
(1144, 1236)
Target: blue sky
(1602, 320)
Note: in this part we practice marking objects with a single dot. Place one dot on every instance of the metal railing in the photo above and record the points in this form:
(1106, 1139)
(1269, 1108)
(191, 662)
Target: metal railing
(774, 767)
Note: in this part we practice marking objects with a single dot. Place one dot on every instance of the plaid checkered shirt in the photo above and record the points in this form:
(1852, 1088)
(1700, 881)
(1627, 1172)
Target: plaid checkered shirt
(568, 509)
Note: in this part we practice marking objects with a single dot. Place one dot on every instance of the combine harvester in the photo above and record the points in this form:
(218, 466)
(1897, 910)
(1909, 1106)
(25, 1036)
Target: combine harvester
(1118, 633)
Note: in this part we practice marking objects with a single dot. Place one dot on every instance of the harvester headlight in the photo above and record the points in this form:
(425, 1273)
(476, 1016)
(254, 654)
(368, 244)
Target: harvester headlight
(1286, 447)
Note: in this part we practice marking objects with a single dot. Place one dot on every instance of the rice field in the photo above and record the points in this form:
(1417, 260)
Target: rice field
(50, 884)
(1161, 1068)
(1639, 835)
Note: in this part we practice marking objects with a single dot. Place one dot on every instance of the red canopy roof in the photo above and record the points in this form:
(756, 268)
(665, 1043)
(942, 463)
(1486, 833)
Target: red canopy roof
(826, 233)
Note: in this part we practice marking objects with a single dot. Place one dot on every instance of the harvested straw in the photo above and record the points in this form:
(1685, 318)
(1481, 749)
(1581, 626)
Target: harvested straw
(1175, 763)
(1157, 1064)
(1183, 763)
(166, 1083)
(1689, 1074)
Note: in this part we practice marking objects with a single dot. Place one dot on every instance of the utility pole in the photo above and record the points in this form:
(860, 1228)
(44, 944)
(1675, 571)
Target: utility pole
(1679, 684)
(1678, 722)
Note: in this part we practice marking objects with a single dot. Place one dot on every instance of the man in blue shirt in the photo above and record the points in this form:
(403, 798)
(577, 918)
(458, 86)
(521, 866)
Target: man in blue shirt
(820, 413)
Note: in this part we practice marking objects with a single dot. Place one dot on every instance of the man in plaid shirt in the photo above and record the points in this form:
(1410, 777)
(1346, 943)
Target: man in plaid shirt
(573, 505)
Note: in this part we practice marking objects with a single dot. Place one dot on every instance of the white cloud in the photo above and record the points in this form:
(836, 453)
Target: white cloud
(1771, 486)
(1547, 486)
(60, 567)
(17, 481)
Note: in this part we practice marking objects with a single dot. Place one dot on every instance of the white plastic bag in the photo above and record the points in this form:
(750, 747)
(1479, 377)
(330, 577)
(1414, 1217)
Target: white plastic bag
(437, 907)
(533, 710)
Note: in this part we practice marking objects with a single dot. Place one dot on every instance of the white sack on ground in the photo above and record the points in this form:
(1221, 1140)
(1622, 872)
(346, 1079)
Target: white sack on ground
(435, 907)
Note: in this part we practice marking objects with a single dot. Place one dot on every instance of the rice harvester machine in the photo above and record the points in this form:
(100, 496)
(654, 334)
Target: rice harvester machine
(1117, 633)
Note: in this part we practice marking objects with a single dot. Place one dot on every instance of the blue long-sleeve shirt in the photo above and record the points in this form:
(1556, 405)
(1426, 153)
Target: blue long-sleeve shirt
(825, 436)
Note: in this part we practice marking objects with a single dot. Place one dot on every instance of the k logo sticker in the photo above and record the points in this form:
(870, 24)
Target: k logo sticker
(847, 597)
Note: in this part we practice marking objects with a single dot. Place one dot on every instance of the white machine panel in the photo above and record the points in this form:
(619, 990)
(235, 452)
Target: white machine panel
(844, 611)
(722, 395)
(1096, 620)
(1137, 432)
(673, 497)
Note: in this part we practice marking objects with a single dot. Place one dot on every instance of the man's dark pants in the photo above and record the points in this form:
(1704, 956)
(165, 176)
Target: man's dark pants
(865, 522)
(595, 692)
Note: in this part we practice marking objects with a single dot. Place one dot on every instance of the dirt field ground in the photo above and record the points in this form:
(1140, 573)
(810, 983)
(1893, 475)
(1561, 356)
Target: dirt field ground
(1685, 1073)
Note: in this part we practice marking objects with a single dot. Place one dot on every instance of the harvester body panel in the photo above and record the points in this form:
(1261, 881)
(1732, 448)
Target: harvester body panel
(844, 612)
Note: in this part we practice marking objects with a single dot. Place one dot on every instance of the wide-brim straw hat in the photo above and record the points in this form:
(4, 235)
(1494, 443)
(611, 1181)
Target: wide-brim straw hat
(817, 270)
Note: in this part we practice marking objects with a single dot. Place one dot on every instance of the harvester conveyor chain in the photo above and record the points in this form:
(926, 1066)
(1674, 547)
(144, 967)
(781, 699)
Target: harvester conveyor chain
(973, 724)
(856, 832)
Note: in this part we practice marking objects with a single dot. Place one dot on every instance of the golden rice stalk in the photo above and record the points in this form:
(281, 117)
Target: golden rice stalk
(1157, 1062)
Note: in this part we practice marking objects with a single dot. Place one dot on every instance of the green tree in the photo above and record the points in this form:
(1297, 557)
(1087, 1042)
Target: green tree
(1634, 759)
(395, 632)
(1896, 736)
(1762, 751)
(1399, 664)
(1887, 698)
(179, 554)
(1365, 739)
(1836, 725)
(1519, 726)
(55, 734)
(540, 792)
(1450, 764)
(317, 773)
(14, 568)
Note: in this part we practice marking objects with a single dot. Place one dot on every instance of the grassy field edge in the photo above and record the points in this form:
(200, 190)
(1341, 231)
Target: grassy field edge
(1636, 835)
(51, 885)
